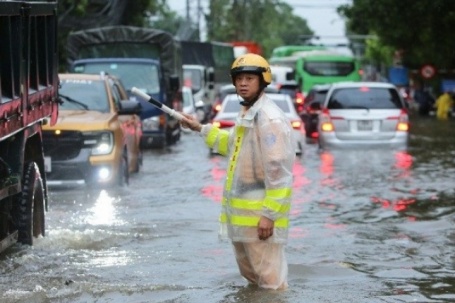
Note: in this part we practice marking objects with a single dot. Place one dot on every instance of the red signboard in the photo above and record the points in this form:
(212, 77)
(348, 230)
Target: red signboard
(427, 71)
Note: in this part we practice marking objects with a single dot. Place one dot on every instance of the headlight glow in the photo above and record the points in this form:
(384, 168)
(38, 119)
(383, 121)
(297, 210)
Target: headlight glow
(104, 144)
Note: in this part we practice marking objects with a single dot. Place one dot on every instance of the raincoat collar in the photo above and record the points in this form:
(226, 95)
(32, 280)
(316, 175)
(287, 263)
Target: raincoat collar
(248, 118)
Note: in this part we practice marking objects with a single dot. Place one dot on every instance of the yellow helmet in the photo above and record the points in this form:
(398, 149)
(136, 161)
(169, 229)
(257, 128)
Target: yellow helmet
(252, 63)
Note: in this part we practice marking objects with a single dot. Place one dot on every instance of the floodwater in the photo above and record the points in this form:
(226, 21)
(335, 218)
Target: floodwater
(366, 226)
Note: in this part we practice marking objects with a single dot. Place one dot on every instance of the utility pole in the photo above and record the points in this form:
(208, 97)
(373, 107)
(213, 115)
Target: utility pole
(188, 11)
(199, 8)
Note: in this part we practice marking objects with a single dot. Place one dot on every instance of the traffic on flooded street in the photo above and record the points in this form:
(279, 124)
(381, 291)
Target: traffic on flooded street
(366, 226)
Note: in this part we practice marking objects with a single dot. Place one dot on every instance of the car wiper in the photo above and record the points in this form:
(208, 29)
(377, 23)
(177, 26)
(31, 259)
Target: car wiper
(74, 101)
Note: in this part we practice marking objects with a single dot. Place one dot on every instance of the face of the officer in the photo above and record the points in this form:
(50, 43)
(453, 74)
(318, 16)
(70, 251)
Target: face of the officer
(247, 85)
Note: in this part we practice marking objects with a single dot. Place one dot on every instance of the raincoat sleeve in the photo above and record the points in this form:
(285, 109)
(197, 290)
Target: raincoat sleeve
(278, 154)
(216, 139)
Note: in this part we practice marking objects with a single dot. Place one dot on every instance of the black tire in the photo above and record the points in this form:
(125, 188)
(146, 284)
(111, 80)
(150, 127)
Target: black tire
(29, 207)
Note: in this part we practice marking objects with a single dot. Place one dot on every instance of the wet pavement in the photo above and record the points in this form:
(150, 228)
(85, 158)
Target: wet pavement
(375, 226)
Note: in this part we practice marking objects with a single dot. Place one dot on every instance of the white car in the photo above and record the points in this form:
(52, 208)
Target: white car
(230, 108)
(363, 115)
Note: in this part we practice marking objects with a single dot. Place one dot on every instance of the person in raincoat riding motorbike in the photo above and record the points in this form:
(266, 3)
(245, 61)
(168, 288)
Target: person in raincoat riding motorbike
(257, 191)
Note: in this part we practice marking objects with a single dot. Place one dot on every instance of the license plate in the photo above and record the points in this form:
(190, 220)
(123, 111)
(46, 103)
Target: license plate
(47, 164)
(365, 125)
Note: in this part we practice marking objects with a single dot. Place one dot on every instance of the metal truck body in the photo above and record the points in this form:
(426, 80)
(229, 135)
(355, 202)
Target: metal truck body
(28, 89)
(146, 58)
(206, 68)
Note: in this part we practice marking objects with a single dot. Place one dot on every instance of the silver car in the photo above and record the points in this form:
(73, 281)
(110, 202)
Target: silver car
(230, 108)
(363, 114)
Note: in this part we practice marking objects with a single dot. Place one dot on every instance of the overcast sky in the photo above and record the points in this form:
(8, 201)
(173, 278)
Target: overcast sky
(320, 14)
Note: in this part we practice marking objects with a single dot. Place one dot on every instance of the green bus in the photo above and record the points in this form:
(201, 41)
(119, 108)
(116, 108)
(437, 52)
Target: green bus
(289, 50)
(317, 66)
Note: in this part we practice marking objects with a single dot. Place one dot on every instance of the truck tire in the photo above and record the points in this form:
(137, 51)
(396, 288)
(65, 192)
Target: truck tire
(29, 207)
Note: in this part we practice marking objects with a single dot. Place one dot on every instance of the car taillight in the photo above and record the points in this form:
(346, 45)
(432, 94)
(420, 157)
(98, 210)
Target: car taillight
(314, 135)
(403, 122)
(326, 122)
(299, 98)
(296, 124)
(223, 123)
(327, 126)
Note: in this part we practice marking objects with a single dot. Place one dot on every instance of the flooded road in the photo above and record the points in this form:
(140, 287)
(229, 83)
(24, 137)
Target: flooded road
(374, 226)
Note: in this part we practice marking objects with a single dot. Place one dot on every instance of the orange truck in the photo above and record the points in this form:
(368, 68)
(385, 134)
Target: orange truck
(29, 99)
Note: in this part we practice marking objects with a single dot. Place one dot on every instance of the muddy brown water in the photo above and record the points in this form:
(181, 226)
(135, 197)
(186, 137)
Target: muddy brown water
(374, 226)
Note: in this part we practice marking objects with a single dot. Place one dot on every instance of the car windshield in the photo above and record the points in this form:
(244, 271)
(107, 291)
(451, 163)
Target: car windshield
(192, 78)
(232, 105)
(316, 96)
(143, 76)
(83, 94)
(365, 98)
(187, 98)
(283, 105)
(329, 68)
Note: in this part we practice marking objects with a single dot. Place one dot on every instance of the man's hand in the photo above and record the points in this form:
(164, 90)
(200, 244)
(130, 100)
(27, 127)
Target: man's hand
(191, 123)
(265, 228)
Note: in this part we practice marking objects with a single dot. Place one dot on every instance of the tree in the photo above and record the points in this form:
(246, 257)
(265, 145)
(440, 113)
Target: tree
(271, 23)
(420, 29)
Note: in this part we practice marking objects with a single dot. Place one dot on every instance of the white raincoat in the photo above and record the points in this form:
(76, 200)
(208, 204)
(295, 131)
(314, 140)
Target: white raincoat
(259, 175)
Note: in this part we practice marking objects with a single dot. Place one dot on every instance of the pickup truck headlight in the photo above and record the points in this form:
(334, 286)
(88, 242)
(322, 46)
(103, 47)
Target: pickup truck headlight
(102, 143)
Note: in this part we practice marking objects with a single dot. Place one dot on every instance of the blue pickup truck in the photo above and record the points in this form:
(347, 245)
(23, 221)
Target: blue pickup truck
(146, 58)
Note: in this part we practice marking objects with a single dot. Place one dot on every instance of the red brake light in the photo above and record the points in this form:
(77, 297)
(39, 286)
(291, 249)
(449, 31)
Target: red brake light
(299, 98)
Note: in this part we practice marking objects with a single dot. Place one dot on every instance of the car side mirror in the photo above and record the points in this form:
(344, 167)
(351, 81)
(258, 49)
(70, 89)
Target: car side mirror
(130, 107)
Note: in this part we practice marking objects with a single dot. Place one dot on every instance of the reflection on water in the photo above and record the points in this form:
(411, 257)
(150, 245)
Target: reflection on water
(366, 226)
(103, 212)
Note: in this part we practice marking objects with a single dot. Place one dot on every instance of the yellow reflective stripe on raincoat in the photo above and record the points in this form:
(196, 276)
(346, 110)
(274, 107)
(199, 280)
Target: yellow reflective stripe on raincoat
(254, 221)
(223, 138)
(272, 195)
(240, 132)
(246, 204)
(258, 204)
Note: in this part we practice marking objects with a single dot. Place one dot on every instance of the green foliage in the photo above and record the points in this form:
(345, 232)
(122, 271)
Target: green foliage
(378, 52)
(422, 29)
(270, 23)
